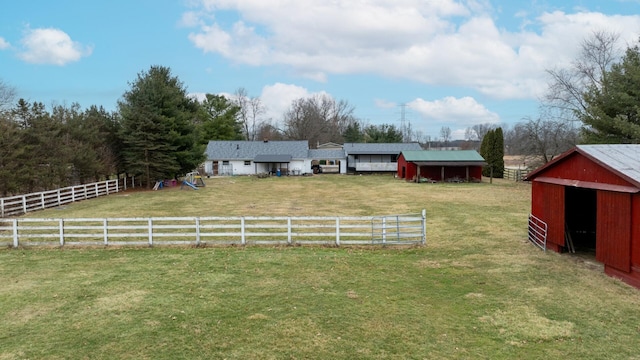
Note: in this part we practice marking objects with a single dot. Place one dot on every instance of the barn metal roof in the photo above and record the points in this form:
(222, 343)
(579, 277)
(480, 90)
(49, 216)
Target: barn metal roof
(453, 156)
(622, 159)
(379, 148)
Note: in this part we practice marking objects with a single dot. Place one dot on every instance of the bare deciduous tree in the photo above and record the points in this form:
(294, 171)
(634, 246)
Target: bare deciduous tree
(567, 86)
(318, 119)
(251, 108)
(542, 140)
(7, 96)
(478, 131)
(445, 134)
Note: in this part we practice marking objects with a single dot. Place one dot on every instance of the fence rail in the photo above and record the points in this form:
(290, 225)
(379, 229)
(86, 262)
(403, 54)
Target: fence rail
(515, 174)
(22, 204)
(393, 229)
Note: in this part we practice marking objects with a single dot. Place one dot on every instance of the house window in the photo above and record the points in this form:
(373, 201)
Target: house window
(394, 158)
(225, 162)
(247, 162)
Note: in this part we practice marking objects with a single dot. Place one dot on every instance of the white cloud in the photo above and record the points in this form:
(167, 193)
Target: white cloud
(278, 97)
(463, 112)
(51, 46)
(384, 104)
(448, 43)
(4, 44)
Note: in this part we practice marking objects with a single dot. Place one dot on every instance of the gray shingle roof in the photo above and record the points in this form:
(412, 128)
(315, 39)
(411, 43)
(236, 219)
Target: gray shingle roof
(280, 158)
(379, 148)
(248, 150)
(321, 154)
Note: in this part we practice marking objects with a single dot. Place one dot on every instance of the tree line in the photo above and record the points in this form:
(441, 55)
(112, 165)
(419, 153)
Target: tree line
(158, 131)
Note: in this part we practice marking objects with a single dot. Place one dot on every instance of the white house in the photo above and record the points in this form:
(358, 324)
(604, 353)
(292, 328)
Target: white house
(236, 157)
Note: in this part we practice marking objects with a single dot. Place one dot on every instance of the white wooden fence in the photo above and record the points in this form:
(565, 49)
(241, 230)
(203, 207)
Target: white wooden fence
(22, 204)
(201, 231)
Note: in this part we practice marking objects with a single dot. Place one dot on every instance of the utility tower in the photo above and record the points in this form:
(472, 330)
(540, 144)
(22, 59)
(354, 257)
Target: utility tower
(403, 123)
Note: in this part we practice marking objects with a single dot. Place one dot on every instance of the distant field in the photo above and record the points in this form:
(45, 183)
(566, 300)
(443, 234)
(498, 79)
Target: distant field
(477, 290)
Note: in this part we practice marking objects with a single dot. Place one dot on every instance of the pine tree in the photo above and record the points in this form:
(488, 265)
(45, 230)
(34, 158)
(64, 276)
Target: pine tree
(492, 150)
(613, 109)
(157, 130)
(485, 148)
(497, 152)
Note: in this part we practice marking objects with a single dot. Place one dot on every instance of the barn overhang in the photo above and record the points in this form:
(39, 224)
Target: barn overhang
(588, 184)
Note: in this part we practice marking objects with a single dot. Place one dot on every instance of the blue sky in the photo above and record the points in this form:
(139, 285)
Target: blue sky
(452, 63)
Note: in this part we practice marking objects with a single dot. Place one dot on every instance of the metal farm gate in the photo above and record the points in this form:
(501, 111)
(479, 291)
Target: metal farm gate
(399, 229)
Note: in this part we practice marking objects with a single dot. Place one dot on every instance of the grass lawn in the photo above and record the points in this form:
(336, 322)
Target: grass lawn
(477, 290)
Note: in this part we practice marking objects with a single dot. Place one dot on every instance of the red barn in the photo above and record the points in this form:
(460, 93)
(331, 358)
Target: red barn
(589, 197)
(455, 165)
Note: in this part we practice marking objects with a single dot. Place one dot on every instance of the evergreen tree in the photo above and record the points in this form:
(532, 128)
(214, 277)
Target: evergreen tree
(11, 156)
(353, 133)
(157, 127)
(384, 133)
(484, 151)
(218, 119)
(492, 150)
(613, 109)
(497, 152)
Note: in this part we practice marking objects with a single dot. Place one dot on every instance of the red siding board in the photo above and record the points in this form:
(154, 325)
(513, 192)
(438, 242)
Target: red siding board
(613, 230)
(578, 167)
(635, 230)
(548, 205)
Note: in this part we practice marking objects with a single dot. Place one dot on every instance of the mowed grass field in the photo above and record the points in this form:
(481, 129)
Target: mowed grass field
(477, 290)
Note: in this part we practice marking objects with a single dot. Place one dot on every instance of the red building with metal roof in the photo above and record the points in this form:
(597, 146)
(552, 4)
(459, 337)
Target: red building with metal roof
(589, 198)
(454, 165)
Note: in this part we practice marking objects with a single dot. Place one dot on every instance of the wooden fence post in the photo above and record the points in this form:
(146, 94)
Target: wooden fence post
(337, 231)
(289, 230)
(15, 233)
(242, 236)
(197, 231)
(150, 232)
(61, 225)
(106, 232)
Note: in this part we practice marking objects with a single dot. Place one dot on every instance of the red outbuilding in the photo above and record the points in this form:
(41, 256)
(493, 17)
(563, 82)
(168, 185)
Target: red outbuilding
(589, 199)
(454, 165)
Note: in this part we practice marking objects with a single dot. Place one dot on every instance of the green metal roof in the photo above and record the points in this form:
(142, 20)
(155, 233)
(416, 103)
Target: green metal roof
(443, 156)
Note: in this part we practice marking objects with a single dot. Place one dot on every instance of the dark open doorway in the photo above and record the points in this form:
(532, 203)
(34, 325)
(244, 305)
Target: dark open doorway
(580, 219)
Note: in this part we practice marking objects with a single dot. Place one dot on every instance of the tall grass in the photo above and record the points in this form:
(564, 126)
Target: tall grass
(476, 290)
